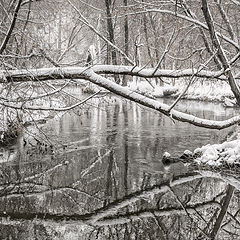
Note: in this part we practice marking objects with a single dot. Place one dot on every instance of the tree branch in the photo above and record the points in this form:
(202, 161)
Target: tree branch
(129, 217)
(189, 19)
(165, 52)
(38, 108)
(226, 20)
(89, 74)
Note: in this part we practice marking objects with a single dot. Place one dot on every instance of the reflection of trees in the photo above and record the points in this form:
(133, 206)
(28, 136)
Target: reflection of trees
(126, 160)
(158, 211)
(224, 208)
(111, 138)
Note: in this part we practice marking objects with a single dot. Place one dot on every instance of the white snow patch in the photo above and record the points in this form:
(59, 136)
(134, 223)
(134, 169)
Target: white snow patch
(166, 155)
(188, 152)
(216, 154)
(150, 88)
(207, 90)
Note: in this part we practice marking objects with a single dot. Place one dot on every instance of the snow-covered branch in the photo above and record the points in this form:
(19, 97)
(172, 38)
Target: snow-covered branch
(231, 180)
(134, 197)
(153, 104)
(236, 2)
(189, 83)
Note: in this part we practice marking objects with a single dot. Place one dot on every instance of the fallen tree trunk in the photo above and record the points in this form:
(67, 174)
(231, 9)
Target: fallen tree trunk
(42, 74)
(92, 76)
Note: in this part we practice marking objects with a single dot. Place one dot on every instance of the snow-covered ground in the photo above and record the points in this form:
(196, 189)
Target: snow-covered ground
(144, 87)
(215, 155)
(218, 154)
(207, 90)
(203, 90)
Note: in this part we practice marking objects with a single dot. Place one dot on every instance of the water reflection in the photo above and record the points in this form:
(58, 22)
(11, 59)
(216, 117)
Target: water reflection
(105, 179)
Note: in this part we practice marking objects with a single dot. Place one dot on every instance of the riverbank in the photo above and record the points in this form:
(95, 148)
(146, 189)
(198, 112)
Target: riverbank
(207, 90)
(225, 154)
(202, 90)
(219, 154)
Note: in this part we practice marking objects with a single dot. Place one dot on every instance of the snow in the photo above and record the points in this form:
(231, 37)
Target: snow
(92, 76)
(153, 104)
(147, 72)
(207, 90)
(217, 154)
(188, 152)
(77, 72)
(230, 102)
(166, 154)
(145, 88)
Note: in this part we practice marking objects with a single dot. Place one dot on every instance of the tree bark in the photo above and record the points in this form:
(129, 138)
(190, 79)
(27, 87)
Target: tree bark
(126, 40)
(108, 4)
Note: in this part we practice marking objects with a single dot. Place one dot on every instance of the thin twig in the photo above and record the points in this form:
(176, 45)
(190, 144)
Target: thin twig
(190, 82)
(165, 52)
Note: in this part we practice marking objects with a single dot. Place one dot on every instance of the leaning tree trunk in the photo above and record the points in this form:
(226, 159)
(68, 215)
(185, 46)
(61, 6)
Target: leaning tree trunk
(220, 51)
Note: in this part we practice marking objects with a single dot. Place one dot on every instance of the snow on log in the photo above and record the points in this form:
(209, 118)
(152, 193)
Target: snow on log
(77, 72)
(153, 104)
(91, 75)
(149, 72)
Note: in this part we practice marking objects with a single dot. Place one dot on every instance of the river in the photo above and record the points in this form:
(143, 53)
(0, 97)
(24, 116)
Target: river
(105, 159)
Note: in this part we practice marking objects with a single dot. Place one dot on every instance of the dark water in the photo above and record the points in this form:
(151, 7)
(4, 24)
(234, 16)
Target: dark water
(101, 177)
